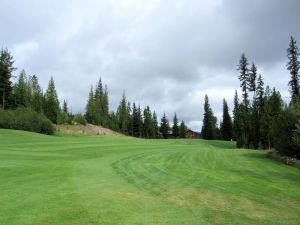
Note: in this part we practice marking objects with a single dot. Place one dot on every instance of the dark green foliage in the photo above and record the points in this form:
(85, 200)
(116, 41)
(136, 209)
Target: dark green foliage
(65, 107)
(25, 119)
(252, 78)
(113, 122)
(97, 108)
(286, 131)
(37, 98)
(244, 78)
(256, 114)
(243, 126)
(156, 133)
(164, 127)
(21, 91)
(236, 128)
(182, 130)
(272, 108)
(6, 69)
(175, 128)
(98, 98)
(123, 115)
(51, 104)
(90, 114)
(79, 119)
(209, 122)
(148, 126)
(227, 123)
(105, 108)
(136, 121)
(293, 66)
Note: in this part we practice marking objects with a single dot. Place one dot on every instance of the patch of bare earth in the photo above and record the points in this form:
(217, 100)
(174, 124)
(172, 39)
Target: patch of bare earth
(88, 129)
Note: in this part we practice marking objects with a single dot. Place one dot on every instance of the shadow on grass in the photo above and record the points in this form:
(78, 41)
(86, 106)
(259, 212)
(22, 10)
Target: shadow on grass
(222, 144)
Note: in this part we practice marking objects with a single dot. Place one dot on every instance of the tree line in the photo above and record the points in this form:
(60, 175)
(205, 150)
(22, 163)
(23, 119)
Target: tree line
(261, 118)
(129, 119)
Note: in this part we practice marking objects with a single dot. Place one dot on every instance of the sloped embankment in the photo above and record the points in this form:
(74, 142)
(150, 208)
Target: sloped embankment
(88, 129)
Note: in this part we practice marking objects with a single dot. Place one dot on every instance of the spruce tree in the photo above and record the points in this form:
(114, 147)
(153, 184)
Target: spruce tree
(252, 79)
(175, 128)
(182, 130)
(90, 114)
(105, 108)
(164, 127)
(37, 95)
(51, 107)
(6, 69)
(236, 127)
(209, 122)
(148, 129)
(227, 123)
(155, 126)
(20, 90)
(272, 108)
(136, 126)
(123, 115)
(99, 103)
(65, 107)
(244, 78)
(293, 66)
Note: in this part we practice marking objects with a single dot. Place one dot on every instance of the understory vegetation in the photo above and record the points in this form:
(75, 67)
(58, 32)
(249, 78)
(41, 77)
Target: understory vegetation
(26, 119)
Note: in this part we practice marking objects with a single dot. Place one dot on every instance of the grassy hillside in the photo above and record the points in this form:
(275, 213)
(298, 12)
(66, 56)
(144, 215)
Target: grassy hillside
(121, 180)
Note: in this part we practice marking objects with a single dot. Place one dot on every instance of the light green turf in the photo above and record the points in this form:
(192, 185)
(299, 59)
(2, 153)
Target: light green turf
(120, 180)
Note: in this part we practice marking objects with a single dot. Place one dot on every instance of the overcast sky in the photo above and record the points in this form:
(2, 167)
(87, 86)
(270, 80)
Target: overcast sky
(163, 53)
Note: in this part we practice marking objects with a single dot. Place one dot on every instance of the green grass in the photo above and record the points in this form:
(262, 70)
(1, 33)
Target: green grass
(120, 180)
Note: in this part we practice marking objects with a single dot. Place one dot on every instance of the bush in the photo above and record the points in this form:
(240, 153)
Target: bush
(286, 132)
(80, 119)
(25, 119)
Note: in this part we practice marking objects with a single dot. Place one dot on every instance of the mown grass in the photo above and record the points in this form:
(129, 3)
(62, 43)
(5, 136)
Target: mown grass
(121, 180)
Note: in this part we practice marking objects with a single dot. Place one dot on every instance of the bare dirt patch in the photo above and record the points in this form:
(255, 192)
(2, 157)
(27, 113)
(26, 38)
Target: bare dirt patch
(88, 129)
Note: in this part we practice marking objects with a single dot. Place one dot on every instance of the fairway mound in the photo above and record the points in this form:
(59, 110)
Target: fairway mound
(88, 129)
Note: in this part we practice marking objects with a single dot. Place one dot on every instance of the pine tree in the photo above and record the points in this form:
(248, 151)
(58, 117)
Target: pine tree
(37, 95)
(20, 90)
(51, 107)
(252, 79)
(105, 108)
(6, 69)
(175, 128)
(136, 121)
(257, 109)
(209, 122)
(65, 107)
(148, 129)
(90, 114)
(244, 78)
(155, 126)
(99, 103)
(129, 119)
(271, 110)
(293, 66)
(227, 123)
(164, 127)
(182, 130)
(236, 127)
(123, 115)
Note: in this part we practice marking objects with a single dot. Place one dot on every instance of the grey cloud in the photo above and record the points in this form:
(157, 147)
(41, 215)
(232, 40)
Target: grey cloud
(166, 54)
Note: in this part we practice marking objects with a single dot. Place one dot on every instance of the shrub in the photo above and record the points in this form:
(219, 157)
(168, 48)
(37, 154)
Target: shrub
(25, 119)
(80, 119)
(286, 132)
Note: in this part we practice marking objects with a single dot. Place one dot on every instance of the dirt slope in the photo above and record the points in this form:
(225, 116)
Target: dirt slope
(88, 129)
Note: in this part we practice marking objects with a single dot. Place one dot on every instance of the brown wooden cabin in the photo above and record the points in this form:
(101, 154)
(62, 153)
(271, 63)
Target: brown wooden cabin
(192, 134)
